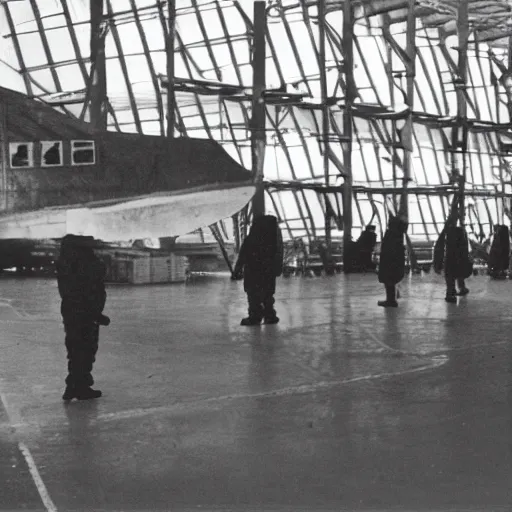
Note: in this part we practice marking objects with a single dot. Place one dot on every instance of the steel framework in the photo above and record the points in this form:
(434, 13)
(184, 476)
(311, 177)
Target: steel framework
(357, 95)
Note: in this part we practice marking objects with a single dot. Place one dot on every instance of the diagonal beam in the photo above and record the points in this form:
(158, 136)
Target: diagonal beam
(17, 50)
(124, 67)
(149, 60)
(204, 33)
(231, 49)
(74, 40)
(46, 46)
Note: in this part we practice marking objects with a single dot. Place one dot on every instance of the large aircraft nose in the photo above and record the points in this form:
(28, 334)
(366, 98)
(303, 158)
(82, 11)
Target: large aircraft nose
(153, 216)
(160, 215)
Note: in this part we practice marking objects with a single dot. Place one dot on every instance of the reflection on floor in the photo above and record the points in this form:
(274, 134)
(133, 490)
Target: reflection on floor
(341, 406)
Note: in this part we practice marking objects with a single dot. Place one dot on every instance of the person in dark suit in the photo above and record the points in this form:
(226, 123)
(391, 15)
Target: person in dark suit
(451, 253)
(260, 261)
(499, 254)
(392, 259)
(365, 246)
(80, 278)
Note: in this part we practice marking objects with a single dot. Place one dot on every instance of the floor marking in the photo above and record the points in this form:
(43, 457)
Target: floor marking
(291, 390)
(43, 492)
(432, 352)
(15, 420)
(391, 349)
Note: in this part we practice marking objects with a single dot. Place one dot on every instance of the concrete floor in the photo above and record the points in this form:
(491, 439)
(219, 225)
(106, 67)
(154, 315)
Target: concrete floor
(342, 406)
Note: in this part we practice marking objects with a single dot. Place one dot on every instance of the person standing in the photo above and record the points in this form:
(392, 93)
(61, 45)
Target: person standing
(392, 259)
(259, 263)
(365, 246)
(81, 284)
(499, 254)
(451, 253)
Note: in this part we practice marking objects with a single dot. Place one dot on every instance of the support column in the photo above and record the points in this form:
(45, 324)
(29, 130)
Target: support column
(258, 120)
(460, 131)
(171, 97)
(391, 84)
(407, 132)
(98, 80)
(350, 95)
(4, 155)
(324, 137)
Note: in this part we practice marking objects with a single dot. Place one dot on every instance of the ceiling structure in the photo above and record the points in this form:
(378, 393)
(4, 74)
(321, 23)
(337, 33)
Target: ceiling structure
(45, 52)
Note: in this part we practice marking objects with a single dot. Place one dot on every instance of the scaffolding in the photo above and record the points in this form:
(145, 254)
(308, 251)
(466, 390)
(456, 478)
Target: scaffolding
(362, 105)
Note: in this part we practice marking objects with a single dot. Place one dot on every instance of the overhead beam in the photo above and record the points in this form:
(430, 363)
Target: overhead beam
(350, 96)
(98, 78)
(258, 120)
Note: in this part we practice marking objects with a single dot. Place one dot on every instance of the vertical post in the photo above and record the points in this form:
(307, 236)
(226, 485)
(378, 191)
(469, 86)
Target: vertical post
(389, 54)
(407, 132)
(98, 82)
(460, 138)
(350, 95)
(171, 98)
(258, 121)
(325, 113)
(4, 154)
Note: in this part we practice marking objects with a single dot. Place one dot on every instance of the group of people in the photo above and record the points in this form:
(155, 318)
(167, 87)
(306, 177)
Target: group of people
(451, 255)
(81, 282)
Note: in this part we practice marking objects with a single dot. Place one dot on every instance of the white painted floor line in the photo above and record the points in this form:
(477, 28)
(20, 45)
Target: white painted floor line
(388, 348)
(41, 488)
(15, 420)
(291, 390)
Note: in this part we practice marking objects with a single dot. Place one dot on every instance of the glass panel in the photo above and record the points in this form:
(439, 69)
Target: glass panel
(51, 153)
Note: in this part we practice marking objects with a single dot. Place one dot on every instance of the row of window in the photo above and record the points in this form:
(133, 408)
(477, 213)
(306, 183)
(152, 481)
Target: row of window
(22, 153)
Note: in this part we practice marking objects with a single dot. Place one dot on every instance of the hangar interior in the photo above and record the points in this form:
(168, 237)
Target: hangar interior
(345, 112)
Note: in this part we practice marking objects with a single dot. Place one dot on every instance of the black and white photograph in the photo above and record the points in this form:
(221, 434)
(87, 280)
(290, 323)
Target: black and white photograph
(255, 255)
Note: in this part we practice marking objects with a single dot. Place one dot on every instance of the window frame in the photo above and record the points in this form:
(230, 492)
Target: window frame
(61, 152)
(73, 149)
(30, 150)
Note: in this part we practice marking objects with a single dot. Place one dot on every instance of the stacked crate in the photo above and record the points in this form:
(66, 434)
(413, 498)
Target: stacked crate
(168, 269)
(131, 270)
(133, 267)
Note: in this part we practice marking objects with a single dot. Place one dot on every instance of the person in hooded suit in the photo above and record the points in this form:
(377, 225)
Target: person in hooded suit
(80, 279)
(392, 259)
(499, 254)
(366, 245)
(451, 253)
(260, 261)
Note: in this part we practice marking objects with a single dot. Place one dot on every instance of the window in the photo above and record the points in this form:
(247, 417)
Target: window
(21, 154)
(82, 152)
(51, 153)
